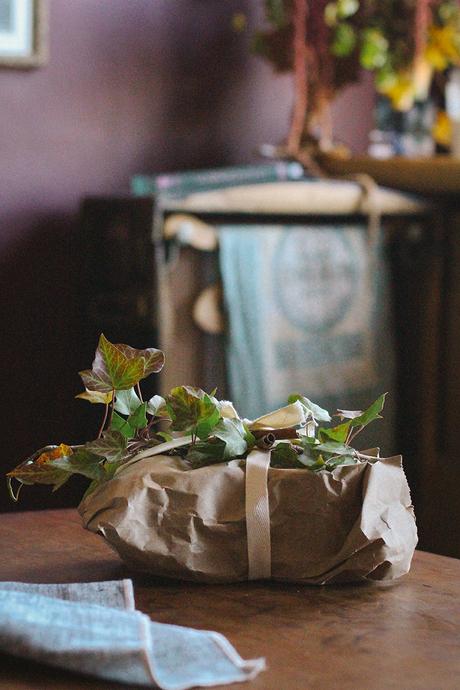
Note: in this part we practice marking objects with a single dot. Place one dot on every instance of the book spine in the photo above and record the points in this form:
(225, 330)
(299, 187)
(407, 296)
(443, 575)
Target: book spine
(181, 184)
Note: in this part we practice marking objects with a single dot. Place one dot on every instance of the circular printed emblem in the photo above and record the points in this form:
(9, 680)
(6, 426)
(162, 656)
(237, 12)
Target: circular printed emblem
(315, 277)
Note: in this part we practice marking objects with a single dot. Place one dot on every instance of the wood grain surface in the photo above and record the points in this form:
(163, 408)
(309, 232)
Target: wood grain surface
(404, 635)
(431, 175)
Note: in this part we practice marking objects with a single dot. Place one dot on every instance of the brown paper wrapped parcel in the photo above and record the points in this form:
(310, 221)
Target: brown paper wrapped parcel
(246, 520)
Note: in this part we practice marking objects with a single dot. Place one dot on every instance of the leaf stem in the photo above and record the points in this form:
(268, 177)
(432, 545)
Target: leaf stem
(112, 406)
(14, 496)
(353, 434)
(101, 428)
(366, 457)
(139, 392)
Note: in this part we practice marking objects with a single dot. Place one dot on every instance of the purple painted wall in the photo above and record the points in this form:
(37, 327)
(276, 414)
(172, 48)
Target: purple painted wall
(131, 86)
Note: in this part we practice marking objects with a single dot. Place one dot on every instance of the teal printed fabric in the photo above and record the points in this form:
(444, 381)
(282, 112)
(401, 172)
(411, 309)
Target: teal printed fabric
(308, 311)
(93, 628)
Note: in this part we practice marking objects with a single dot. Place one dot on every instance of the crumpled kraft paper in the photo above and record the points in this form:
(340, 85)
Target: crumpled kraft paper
(355, 523)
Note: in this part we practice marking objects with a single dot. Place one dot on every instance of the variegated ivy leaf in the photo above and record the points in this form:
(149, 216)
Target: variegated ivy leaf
(191, 409)
(127, 402)
(153, 359)
(120, 367)
(96, 397)
(312, 410)
(96, 380)
(156, 406)
(111, 446)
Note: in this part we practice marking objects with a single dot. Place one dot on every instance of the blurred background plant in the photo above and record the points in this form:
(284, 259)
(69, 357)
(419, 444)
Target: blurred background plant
(406, 44)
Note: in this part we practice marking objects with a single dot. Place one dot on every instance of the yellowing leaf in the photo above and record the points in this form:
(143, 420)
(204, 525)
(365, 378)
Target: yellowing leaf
(61, 451)
(96, 396)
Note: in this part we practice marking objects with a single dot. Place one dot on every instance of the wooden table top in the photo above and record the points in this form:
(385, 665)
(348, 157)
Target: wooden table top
(371, 637)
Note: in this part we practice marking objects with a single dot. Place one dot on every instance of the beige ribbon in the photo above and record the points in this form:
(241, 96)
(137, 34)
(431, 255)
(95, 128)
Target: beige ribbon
(258, 515)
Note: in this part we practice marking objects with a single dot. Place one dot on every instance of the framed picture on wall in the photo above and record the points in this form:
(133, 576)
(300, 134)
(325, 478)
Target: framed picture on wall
(23, 33)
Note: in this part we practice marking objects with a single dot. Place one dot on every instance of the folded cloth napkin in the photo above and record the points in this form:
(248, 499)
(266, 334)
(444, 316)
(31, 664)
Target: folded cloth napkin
(93, 628)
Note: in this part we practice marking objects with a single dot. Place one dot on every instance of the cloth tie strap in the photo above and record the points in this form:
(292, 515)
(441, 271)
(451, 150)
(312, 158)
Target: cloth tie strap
(258, 515)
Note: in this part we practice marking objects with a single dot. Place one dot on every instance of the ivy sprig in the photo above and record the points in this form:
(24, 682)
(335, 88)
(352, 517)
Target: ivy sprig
(212, 429)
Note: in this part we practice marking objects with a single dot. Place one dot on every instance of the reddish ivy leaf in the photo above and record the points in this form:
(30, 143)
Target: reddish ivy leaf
(120, 367)
(153, 359)
(46, 473)
(112, 446)
(122, 372)
(96, 381)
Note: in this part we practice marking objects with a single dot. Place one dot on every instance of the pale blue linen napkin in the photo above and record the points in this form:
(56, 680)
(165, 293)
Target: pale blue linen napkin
(93, 628)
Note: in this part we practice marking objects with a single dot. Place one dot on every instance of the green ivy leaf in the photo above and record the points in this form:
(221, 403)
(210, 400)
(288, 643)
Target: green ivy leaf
(371, 413)
(82, 462)
(334, 447)
(284, 455)
(122, 425)
(233, 433)
(355, 419)
(111, 446)
(337, 433)
(311, 409)
(127, 401)
(341, 461)
(205, 453)
(138, 419)
(209, 420)
(311, 463)
(129, 427)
